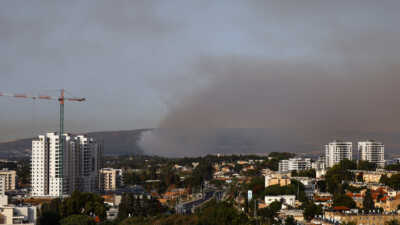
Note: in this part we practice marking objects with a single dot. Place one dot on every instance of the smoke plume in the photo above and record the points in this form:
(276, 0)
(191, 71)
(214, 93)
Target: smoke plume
(253, 105)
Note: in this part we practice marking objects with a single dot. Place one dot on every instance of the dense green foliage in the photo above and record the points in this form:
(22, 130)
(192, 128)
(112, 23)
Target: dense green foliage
(221, 213)
(213, 213)
(311, 210)
(322, 185)
(348, 223)
(203, 172)
(269, 215)
(77, 220)
(338, 174)
(365, 165)
(393, 181)
(304, 173)
(343, 200)
(88, 204)
(394, 167)
(132, 206)
(49, 218)
(393, 222)
(368, 202)
(290, 221)
(281, 155)
(257, 185)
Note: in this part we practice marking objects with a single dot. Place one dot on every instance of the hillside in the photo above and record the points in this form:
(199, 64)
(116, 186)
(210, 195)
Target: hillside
(115, 143)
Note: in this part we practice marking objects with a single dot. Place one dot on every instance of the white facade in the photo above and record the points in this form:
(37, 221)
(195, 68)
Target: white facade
(285, 199)
(319, 164)
(55, 173)
(337, 151)
(372, 151)
(294, 164)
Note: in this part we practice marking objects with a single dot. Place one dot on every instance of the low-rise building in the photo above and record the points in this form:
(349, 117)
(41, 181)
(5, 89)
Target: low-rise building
(365, 219)
(18, 215)
(10, 179)
(294, 164)
(281, 179)
(297, 214)
(289, 200)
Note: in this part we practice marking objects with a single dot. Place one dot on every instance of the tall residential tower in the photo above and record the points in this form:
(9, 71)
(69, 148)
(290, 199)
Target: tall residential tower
(56, 174)
(337, 151)
(372, 151)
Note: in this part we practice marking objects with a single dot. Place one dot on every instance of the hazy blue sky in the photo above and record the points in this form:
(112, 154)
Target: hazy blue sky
(202, 64)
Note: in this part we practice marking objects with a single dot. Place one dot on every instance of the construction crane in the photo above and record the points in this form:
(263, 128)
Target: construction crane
(61, 99)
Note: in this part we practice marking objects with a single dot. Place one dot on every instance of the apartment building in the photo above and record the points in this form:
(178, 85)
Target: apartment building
(56, 173)
(10, 179)
(110, 179)
(372, 151)
(337, 151)
(294, 164)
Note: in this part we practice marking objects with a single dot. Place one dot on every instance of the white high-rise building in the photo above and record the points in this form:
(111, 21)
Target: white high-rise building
(294, 164)
(337, 151)
(372, 151)
(56, 174)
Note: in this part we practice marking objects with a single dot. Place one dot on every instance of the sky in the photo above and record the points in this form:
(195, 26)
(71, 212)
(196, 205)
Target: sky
(291, 74)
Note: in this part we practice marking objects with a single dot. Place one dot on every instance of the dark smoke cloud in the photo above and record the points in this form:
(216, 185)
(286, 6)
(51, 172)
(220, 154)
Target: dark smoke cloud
(350, 93)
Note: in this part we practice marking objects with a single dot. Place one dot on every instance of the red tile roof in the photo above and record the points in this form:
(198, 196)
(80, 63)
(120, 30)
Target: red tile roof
(340, 208)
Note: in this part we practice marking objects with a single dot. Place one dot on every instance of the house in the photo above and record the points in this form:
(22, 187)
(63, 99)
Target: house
(296, 213)
(281, 179)
(288, 200)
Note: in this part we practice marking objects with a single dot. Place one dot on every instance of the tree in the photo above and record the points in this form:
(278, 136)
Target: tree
(349, 223)
(360, 177)
(343, 200)
(393, 167)
(336, 175)
(311, 210)
(321, 184)
(270, 213)
(134, 221)
(221, 213)
(77, 220)
(392, 222)
(257, 186)
(393, 181)
(134, 206)
(304, 173)
(82, 202)
(49, 218)
(348, 164)
(365, 165)
(281, 155)
(290, 221)
(368, 202)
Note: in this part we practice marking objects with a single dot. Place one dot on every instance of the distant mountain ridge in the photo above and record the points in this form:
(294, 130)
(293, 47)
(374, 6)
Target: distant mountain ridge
(115, 143)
